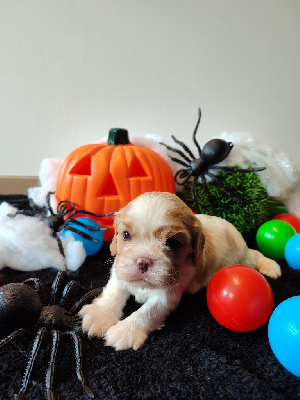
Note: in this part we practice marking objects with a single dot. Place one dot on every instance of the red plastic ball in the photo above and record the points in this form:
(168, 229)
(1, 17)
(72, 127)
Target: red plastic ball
(239, 298)
(290, 219)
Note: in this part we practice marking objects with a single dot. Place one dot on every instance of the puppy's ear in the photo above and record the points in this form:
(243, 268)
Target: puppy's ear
(198, 242)
(113, 245)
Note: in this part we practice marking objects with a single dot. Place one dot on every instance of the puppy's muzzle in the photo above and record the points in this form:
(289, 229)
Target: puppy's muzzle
(144, 263)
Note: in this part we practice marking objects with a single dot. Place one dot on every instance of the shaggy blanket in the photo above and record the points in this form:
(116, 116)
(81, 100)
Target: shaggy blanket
(192, 357)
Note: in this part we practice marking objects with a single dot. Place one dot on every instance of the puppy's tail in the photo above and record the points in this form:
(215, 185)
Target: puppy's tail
(265, 265)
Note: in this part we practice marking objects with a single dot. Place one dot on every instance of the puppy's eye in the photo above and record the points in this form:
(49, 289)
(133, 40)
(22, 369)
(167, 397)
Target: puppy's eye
(126, 235)
(173, 243)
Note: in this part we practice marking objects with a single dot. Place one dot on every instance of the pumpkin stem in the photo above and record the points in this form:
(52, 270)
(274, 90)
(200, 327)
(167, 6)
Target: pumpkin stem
(118, 136)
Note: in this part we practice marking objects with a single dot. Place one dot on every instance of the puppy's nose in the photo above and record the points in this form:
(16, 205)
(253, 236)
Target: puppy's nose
(144, 263)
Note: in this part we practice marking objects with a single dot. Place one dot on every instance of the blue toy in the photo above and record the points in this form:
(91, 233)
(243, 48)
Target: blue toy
(292, 251)
(91, 229)
(284, 334)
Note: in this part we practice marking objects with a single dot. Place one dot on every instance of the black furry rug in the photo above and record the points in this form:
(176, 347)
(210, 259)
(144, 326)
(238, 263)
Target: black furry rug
(192, 357)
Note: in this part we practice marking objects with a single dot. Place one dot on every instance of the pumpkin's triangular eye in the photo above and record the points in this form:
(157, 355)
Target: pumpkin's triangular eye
(83, 167)
(137, 170)
(109, 188)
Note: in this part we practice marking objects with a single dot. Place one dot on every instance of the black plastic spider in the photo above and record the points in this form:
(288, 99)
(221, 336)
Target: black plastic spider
(21, 308)
(213, 152)
(57, 222)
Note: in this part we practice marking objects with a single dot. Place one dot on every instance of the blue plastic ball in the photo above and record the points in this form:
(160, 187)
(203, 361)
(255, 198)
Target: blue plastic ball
(292, 252)
(284, 334)
(90, 247)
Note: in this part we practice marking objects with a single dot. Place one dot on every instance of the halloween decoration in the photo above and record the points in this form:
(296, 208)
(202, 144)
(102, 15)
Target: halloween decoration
(290, 219)
(104, 177)
(91, 247)
(283, 331)
(57, 222)
(292, 252)
(213, 152)
(27, 243)
(272, 237)
(239, 298)
(246, 215)
(21, 309)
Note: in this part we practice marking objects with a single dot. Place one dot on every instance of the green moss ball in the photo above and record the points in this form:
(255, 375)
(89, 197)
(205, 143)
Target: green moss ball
(246, 215)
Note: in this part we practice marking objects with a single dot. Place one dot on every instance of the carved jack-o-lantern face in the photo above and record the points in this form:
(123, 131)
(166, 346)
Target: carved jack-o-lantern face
(104, 177)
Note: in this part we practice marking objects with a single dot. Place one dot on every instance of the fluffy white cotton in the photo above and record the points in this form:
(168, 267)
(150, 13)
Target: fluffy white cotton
(281, 177)
(74, 252)
(47, 175)
(280, 174)
(26, 244)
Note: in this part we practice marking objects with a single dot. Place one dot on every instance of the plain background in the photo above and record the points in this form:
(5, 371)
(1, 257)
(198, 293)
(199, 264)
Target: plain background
(72, 69)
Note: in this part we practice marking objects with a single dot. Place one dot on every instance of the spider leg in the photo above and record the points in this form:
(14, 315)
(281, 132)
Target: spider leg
(179, 162)
(48, 202)
(36, 208)
(50, 370)
(34, 352)
(60, 246)
(83, 234)
(205, 187)
(234, 169)
(195, 131)
(56, 285)
(37, 284)
(219, 181)
(89, 213)
(177, 151)
(65, 206)
(182, 174)
(88, 296)
(78, 355)
(185, 148)
(67, 290)
(10, 337)
(76, 222)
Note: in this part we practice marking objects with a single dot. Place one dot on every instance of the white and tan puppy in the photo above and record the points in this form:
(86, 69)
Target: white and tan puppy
(162, 250)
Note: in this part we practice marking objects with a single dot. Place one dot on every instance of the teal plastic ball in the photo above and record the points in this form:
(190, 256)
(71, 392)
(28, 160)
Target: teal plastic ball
(272, 237)
(90, 247)
(292, 252)
(284, 334)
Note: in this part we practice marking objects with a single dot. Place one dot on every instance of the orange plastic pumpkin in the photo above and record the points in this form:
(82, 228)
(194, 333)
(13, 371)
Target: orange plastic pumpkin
(104, 177)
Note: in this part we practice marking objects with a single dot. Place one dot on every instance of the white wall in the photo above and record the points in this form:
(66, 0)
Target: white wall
(71, 69)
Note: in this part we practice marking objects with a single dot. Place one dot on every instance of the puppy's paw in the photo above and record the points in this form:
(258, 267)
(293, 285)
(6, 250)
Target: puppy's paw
(269, 267)
(96, 319)
(125, 335)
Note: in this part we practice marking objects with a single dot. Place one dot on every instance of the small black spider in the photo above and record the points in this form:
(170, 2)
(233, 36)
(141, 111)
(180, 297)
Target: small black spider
(213, 152)
(57, 222)
(21, 308)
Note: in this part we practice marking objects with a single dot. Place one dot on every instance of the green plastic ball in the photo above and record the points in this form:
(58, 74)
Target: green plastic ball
(280, 209)
(272, 237)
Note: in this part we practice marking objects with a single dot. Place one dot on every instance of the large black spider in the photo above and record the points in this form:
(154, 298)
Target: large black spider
(213, 152)
(57, 222)
(21, 308)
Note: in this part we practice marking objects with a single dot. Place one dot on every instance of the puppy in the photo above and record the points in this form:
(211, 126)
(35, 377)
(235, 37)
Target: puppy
(162, 250)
